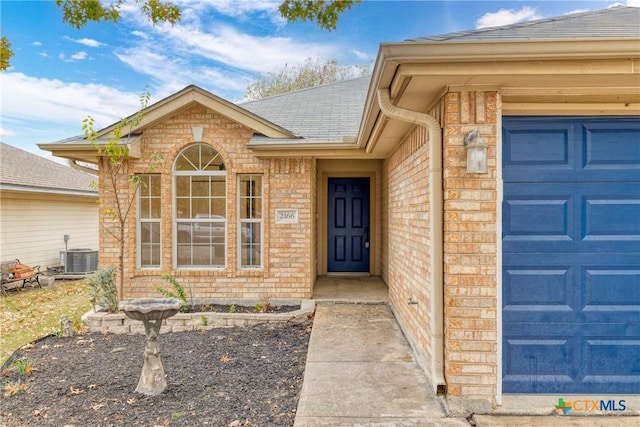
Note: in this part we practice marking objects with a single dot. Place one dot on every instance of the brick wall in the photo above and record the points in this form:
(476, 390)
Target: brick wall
(287, 184)
(470, 249)
(405, 231)
(470, 206)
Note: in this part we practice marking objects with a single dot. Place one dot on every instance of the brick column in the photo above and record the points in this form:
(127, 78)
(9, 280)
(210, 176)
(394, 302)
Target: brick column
(470, 250)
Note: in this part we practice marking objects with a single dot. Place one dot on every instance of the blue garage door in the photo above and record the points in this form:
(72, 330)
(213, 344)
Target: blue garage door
(571, 255)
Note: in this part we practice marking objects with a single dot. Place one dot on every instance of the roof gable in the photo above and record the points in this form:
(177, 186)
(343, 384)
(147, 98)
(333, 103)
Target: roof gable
(192, 95)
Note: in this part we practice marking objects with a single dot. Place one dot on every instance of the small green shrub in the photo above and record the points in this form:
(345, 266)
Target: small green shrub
(263, 306)
(178, 415)
(204, 320)
(178, 292)
(102, 289)
(24, 367)
(232, 309)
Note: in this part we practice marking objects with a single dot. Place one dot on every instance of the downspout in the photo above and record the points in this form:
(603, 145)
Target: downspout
(435, 225)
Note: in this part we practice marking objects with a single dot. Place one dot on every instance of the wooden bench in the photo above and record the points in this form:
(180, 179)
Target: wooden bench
(16, 275)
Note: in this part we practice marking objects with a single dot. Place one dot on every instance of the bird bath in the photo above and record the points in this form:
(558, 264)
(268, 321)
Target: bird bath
(151, 311)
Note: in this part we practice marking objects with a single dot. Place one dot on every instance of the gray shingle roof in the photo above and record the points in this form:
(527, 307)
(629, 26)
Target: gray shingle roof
(20, 169)
(326, 113)
(616, 22)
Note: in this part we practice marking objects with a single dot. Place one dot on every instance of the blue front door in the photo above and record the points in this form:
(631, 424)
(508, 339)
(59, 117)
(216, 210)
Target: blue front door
(348, 225)
(571, 255)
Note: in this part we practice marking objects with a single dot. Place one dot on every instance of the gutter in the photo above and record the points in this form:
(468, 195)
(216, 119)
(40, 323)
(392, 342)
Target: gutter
(436, 227)
(43, 190)
(457, 51)
(74, 164)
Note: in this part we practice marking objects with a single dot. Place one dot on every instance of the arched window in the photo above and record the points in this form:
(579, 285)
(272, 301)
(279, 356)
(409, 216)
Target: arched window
(199, 206)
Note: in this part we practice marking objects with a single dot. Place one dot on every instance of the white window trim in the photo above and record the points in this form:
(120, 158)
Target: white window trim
(139, 222)
(247, 221)
(175, 220)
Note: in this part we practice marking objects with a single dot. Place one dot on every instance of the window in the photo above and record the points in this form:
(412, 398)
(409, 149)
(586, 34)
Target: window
(250, 217)
(149, 203)
(200, 200)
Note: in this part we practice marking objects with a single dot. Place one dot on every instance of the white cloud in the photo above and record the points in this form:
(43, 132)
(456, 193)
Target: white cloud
(79, 56)
(85, 41)
(216, 53)
(174, 74)
(360, 55)
(36, 43)
(507, 17)
(233, 8)
(6, 132)
(244, 51)
(571, 12)
(632, 3)
(140, 34)
(62, 103)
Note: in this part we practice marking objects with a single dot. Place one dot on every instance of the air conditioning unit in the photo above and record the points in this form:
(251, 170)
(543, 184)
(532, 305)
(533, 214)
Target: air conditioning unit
(79, 261)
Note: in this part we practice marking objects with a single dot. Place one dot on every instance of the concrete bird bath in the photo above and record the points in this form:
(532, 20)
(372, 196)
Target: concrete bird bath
(151, 311)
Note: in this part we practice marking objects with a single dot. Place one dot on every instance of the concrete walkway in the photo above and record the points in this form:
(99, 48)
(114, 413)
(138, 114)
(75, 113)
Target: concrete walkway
(360, 372)
(555, 421)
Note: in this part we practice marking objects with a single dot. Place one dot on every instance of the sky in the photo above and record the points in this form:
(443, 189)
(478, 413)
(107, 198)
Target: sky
(60, 75)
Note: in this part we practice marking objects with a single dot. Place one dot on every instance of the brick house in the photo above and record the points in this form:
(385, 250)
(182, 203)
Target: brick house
(490, 177)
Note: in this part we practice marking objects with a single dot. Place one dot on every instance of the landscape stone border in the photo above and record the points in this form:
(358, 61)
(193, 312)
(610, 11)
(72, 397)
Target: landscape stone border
(119, 323)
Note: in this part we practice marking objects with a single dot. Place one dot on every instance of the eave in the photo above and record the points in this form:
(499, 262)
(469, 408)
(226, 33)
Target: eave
(15, 188)
(318, 150)
(531, 75)
(86, 152)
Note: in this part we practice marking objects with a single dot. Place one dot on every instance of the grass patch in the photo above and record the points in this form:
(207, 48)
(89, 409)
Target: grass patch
(29, 315)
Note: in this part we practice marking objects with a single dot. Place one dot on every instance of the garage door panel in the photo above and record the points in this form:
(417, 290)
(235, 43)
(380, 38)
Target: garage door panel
(611, 218)
(601, 136)
(536, 285)
(571, 149)
(550, 356)
(571, 255)
(535, 362)
(547, 149)
(601, 353)
(571, 217)
(571, 288)
(538, 219)
(612, 287)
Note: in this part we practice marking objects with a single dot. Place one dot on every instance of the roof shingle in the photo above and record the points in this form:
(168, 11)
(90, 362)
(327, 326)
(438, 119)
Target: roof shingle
(615, 22)
(327, 113)
(21, 169)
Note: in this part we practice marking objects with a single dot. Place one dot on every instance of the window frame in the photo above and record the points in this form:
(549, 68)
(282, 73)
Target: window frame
(242, 221)
(193, 220)
(140, 221)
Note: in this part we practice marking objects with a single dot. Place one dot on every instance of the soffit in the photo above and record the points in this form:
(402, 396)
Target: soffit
(418, 76)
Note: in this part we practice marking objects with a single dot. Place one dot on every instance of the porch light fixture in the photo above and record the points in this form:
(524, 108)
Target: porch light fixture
(476, 152)
(197, 132)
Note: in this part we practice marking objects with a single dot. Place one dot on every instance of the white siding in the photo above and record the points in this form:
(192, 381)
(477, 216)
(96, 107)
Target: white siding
(33, 225)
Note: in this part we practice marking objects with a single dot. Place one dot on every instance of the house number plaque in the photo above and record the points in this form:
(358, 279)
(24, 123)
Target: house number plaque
(286, 216)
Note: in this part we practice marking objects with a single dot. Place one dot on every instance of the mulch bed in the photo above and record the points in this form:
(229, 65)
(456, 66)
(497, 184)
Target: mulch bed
(222, 377)
(236, 308)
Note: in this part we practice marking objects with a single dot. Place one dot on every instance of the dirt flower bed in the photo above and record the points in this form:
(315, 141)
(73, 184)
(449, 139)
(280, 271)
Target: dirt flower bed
(237, 308)
(221, 377)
